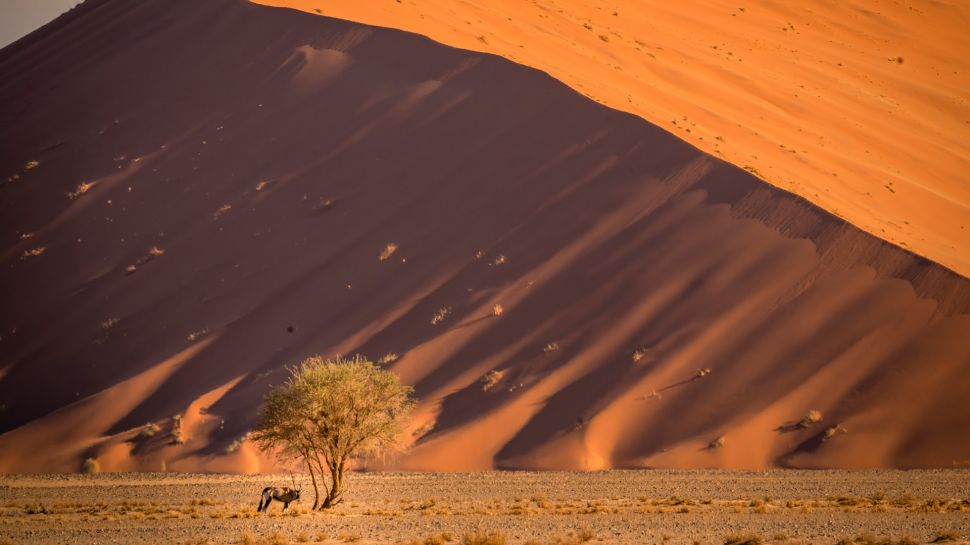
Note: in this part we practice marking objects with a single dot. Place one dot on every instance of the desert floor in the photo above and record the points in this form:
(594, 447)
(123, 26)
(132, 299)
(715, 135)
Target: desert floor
(657, 506)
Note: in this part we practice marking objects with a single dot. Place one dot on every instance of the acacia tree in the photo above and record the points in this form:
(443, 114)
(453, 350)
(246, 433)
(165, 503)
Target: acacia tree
(330, 413)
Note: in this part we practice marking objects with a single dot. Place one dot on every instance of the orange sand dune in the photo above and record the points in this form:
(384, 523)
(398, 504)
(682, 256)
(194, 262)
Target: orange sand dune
(213, 184)
(860, 106)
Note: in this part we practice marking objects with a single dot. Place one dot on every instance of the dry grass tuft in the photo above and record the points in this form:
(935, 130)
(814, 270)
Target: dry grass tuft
(497, 310)
(90, 466)
(178, 435)
(813, 416)
(832, 431)
(717, 443)
(550, 347)
(387, 252)
(743, 540)
(34, 252)
(490, 379)
(480, 537)
(440, 316)
(388, 358)
(149, 430)
(81, 189)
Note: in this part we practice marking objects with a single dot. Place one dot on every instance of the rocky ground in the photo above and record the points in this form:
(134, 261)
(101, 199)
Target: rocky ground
(616, 507)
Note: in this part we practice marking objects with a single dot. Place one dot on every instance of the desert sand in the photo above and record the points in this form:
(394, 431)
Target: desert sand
(861, 106)
(196, 195)
(613, 507)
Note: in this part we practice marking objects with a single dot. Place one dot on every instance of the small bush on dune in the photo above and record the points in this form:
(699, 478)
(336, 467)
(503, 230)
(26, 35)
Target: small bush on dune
(150, 430)
(812, 417)
(90, 466)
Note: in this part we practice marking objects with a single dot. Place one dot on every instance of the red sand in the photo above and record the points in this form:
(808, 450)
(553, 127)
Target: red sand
(270, 156)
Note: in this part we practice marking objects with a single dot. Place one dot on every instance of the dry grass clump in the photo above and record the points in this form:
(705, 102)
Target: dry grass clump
(388, 358)
(813, 416)
(90, 466)
(149, 430)
(550, 347)
(178, 435)
(81, 189)
(583, 535)
(481, 537)
(33, 252)
(109, 323)
(221, 211)
(701, 373)
(387, 252)
(440, 316)
(436, 539)
(638, 354)
(749, 539)
(499, 260)
(867, 539)
(717, 443)
(832, 431)
(490, 379)
(497, 310)
(261, 185)
(237, 443)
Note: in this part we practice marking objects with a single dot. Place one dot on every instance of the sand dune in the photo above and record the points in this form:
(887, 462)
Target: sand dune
(251, 164)
(862, 107)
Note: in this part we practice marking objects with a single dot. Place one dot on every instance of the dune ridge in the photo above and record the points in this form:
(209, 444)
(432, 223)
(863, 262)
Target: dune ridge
(861, 107)
(226, 176)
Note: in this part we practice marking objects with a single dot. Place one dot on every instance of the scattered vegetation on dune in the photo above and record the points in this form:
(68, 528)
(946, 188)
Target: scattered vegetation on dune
(440, 316)
(388, 358)
(33, 252)
(177, 433)
(387, 252)
(490, 379)
(80, 190)
(149, 430)
(90, 466)
(497, 310)
(811, 418)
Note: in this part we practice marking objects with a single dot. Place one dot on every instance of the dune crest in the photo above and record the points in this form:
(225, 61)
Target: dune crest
(862, 108)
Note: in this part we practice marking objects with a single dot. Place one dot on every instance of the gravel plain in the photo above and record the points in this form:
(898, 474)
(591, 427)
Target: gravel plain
(615, 507)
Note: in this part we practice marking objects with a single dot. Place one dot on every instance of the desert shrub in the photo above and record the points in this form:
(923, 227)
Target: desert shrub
(178, 435)
(497, 310)
(946, 535)
(90, 466)
(743, 540)
(481, 537)
(550, 347)
(331, 412)
(150, 430)
(388, 358)
(717, 443)
(490, 379)
(440, 315)
(387, 252)
(812, 417)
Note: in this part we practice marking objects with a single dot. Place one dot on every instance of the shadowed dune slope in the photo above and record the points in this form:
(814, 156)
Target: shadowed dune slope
(198, 194)
(860, 106)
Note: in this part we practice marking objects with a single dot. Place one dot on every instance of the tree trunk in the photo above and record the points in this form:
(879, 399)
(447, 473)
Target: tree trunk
(336, 486)
(316, 488)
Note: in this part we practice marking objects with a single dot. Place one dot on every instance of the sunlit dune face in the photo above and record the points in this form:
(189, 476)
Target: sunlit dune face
(860, 107)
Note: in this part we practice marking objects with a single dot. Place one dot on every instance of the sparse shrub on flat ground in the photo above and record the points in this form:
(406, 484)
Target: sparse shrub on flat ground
(480, 537)
(743, 540)
(90, 466)
(946, 535)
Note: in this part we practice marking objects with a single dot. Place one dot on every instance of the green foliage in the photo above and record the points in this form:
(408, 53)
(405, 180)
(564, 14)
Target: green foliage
(331, 412)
